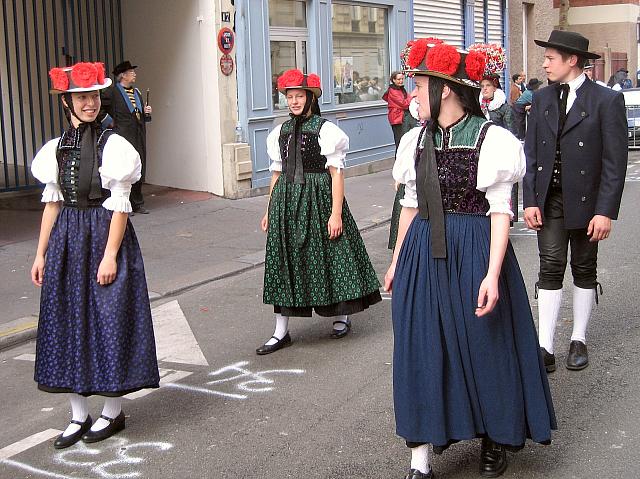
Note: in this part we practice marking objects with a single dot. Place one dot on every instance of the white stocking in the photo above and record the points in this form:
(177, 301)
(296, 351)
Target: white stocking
(582, 306)
(112, 407)
(549, 301)
(79, 412)
(420, 458)
(340, 326)
(282, 328)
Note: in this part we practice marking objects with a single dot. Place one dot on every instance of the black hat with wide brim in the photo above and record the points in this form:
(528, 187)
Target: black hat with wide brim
(570, 42)
(123, 67)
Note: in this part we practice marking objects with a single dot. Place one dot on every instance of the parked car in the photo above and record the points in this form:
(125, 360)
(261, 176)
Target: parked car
(632, 102)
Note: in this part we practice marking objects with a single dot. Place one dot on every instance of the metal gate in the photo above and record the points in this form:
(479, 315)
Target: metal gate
(36, 35)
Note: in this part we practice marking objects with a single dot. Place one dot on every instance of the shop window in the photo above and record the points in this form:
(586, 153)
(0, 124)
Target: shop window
(360, 53)
(288, 37)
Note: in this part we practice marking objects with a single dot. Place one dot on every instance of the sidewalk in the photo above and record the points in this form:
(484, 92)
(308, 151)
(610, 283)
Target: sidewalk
(189, 239)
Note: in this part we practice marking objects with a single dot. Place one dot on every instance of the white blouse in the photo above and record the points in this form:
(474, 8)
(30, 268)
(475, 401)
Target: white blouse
(334, 144)
(121, 167)
(501, 164)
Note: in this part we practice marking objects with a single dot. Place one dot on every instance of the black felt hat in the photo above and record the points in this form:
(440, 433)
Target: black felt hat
(123, 67)
(570, 42)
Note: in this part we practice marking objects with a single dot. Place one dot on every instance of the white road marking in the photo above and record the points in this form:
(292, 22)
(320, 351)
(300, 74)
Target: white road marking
(27, 443)
(166, 376)
(26, 357)
(175, 341)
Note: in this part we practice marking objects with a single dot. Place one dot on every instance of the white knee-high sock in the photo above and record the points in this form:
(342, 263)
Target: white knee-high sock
(420, 458)
(549, 301)
(340, 326)
(79, 412)
(282, 328)
(112, 407)
(582, 306)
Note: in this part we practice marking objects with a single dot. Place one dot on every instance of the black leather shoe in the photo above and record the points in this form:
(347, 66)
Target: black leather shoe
(415, 474)
(116, 425)
(493, 459)
(341, 333)
(66, 441)
(141, 211)
(578, 357)
(272, 348)
(549, 360)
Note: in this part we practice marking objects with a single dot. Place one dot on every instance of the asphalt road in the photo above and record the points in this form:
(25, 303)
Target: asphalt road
(323, 408)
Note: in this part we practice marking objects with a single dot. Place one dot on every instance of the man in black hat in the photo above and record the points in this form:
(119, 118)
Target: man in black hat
(576, 148)
(521, 106)
(123, 103)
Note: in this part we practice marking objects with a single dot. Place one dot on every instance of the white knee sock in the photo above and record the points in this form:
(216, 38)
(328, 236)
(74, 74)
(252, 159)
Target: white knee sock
(420, 458)
(582, 306)
(79, 412)
(549, 301)
(282, 328)
(340, 326)
(112, 407)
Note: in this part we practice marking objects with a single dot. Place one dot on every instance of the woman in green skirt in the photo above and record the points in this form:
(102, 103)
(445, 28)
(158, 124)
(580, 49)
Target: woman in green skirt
(315, 258)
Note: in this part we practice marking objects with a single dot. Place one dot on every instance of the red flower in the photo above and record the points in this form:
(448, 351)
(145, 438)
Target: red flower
(417, 52)
(290, 78)
(474, 65)
(84, 74)
(443, 58)
(100, 67)
(313, 80)
(59, 79)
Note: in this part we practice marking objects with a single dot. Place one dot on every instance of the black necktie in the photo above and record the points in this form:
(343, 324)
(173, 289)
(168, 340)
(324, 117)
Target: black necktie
(563, 94)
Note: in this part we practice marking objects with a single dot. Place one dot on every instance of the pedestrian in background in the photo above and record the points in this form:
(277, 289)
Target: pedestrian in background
(95, 334)
(521, 108)
(315, 258)
(576, 148)
(398, 101)
(514, 89)
(493, 101)
(465, 361)
(126, 108)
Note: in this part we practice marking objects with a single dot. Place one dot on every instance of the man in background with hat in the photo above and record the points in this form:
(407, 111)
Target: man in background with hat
(123, 103)
(576, 148)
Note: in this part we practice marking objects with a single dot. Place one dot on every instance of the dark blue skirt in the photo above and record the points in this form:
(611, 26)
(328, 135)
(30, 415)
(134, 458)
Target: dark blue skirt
(93, 339)
(457, 376)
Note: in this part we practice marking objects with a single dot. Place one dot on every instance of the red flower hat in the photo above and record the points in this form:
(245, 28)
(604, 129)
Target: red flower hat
(83, 76)
(433, 57)
(296, 80)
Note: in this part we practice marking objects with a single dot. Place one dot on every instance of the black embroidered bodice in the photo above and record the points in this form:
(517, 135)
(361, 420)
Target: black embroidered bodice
(70, 167)
(457, 150)
(312, 160)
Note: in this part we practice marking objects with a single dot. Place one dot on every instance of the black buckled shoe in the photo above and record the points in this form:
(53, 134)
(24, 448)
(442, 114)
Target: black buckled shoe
(116, 424)
(272, 348)
(416, 474)
(66, 441)
(578, 358)
(341, 333)
(493, 459)
(141, 210)
(549, 360)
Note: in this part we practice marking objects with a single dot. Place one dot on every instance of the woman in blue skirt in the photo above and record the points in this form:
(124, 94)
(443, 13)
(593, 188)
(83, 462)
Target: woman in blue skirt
(466, 360)
(95, 334)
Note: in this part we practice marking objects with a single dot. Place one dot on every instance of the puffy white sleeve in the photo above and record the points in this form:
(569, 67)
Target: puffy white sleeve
(334, 144)
(273, 149)
(121, 167)
(404, 168)
(44, 168)
(501, 164)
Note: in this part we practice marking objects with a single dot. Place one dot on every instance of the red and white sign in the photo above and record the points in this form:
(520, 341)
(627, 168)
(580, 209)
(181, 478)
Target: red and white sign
(226, 40)
(226, 64)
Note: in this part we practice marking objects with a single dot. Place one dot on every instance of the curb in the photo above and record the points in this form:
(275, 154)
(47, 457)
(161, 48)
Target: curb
(25, 329)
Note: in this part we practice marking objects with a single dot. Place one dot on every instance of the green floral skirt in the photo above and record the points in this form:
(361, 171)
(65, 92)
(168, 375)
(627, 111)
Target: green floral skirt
(395, 217)
(304, 269)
